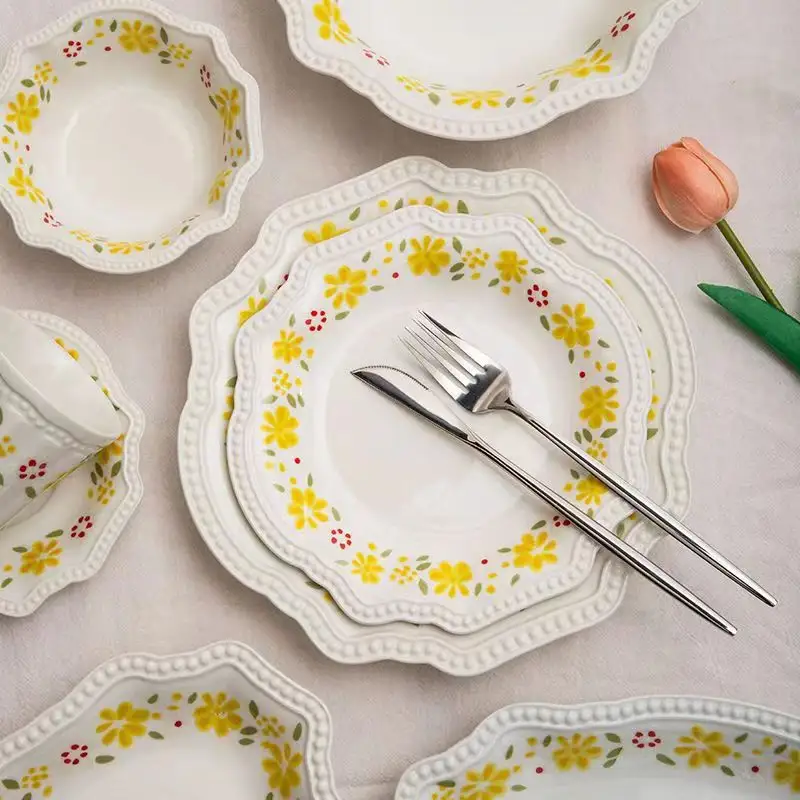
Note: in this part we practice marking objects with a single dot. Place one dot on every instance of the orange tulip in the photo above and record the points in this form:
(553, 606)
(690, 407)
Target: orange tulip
(693, 188)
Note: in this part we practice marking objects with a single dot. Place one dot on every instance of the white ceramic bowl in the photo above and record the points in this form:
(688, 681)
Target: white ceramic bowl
(471, 69)
(129, 134)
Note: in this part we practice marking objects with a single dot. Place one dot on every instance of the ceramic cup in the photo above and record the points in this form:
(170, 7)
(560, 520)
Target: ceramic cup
(53, 416)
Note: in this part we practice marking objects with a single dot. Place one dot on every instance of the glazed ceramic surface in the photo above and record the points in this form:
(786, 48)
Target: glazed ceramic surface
(654, 748)
(66, 535)
(476, 70)
(129, 134)
(219, 722)
(396, 523)
(52, 415)
(224, 308)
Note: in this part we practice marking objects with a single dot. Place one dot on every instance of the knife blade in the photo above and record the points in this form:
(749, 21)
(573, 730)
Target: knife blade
(413, 395)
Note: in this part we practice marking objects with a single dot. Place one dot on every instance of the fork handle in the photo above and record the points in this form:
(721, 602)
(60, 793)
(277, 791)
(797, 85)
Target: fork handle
(642, 503)
(604, 537)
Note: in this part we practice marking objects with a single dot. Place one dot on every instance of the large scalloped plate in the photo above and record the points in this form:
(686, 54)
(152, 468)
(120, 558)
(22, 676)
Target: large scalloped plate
(417, 62)
(66, 535)
(654, 747)
(63, 70)
(217, 722)
(222, 309)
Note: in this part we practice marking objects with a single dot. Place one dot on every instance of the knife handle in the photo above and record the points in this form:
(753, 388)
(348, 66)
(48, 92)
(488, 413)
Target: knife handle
(604, 537)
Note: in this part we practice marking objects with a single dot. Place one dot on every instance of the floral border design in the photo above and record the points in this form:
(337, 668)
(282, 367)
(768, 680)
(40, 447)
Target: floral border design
(132, 722)
(378, 269)
(521, 760)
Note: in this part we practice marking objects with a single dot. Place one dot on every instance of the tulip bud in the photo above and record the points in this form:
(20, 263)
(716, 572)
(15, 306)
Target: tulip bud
(693, 188)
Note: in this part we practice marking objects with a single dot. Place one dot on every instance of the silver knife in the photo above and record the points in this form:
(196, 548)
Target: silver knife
(412, 394)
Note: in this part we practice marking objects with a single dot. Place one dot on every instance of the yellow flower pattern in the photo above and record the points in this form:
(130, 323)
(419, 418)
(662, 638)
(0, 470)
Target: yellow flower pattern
(287, 347)
(229, 106)
(598, 62)
(346, 286)
(282, 765)
(367, 567)
(327, 231)
(332, 24)
(452, 579)
(23, 111)
(535, 551)
(123, 725)
(702, 748)
(280, 428)
(788, 772)
(429, 255)
(590, 491)
(485, 784)
(476, 99)
(218, 714)
(40, 557)
(137, 37)
(599, 406)
(307, 509)
(218, 186)
(23, 185)
(511, 267)
(576, 751)
(572, 326)
(252, 308)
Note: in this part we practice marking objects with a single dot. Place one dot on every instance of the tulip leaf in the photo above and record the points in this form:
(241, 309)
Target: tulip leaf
(779, 330)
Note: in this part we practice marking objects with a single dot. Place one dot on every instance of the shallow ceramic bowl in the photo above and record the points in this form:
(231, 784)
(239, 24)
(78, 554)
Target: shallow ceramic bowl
(129, 134)
(468, 69)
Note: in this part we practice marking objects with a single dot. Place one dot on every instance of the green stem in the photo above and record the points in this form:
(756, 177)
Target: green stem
(752, 270)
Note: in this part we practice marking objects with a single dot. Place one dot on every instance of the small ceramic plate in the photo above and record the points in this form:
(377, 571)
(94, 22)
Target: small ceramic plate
(305, 221)
(398, 523)
(129, 134)
(66, 535)
(219, 722)
(659, 748)
(468, 69)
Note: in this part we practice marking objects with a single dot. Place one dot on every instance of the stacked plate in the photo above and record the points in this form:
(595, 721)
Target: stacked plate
(382, 538)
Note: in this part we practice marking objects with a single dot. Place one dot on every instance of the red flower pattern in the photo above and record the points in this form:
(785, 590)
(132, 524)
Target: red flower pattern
(81, 527)
(649, 739)
(205, 76)
(50, 220)
(32, 470)
(316, 321)
(539, 296)
(73, 49)
(623, 23)
(340, 538)
(381, 61)
(75, 754)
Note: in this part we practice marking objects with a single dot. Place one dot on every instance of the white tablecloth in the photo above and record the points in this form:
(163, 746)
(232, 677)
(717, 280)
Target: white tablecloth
(729, 76)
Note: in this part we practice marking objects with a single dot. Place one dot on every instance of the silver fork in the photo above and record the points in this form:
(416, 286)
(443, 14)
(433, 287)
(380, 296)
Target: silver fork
(479, 385)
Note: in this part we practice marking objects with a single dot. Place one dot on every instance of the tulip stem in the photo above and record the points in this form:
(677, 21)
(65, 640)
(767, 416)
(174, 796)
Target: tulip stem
(752, 270)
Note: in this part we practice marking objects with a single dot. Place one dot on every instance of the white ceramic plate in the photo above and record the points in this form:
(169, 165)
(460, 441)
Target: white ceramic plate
(219, 722)
(66, 535)
(219, 313)
(129, 134)
(468, 69)
(396, 523)
(657, 748)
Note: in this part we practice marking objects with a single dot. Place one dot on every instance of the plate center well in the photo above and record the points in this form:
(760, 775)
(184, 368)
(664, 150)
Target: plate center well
(400, 467)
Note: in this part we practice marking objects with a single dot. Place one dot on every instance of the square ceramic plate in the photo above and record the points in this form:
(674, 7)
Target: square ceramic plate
(291, 229)
(396, 523)
(129, 134)
(219, 722)
(657, 748)
(468, 69)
